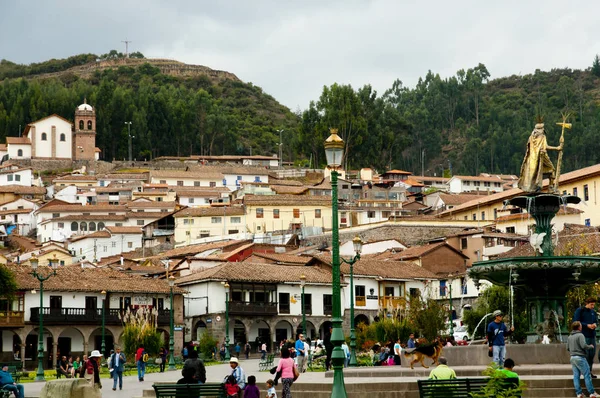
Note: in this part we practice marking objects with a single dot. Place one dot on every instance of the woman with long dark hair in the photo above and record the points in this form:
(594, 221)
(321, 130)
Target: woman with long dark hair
(288, 370)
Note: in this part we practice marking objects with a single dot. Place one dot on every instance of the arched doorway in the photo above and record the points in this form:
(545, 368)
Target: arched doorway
(239, 333)
(260, 332)
(165, 339)
(70, 342)
(311, 331)
(31, 349)
(95, 341)
(361, 318)
(200, 329)
(324, 331)
(283, 331)
(11, 346)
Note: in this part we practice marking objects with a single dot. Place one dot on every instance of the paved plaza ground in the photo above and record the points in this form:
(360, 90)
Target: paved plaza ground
(133, 388)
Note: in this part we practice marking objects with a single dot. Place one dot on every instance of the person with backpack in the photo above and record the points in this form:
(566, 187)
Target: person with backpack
(117, 365)
(141, 357)
(247, 349)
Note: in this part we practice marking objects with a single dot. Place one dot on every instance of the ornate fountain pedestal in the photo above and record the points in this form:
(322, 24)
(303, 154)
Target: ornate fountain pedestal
(544, 278)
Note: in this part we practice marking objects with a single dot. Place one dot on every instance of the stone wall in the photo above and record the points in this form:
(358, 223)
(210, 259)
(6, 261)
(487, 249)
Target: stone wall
(407, 234)
(65, 165)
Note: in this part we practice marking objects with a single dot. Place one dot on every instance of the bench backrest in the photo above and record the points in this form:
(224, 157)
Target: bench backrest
(457, 388)
(189, 390)
(12, 370)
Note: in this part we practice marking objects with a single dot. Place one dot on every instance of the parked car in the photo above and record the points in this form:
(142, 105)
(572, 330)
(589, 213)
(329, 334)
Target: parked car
(461, 333)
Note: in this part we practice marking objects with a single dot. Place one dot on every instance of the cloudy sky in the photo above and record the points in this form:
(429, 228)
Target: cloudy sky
(293, 48)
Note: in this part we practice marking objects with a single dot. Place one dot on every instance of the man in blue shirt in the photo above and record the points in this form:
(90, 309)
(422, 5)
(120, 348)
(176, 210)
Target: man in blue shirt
(411, 341)
(588, 318)
(496, 331)
(7, 382)
(300, 351)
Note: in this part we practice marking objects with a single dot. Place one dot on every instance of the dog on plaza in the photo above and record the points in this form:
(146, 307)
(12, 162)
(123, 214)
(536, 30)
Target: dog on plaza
(425, 350)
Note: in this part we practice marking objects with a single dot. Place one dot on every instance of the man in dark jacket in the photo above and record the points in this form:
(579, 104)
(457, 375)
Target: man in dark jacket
(117, 363)
(588, 318)
(193, 362)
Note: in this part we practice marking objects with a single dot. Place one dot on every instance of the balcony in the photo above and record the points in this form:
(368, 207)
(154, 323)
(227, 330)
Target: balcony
(9, 318)
(82, 316)
(252, 308)
(360, 301)
(392, 301)
(328, 309)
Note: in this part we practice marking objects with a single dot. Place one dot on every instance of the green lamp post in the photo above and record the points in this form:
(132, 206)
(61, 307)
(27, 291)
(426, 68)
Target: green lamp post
(41, 278)
(302, 283)
(451, 321)
(103, 345)
(172, 331)
(227, 356)
(334, 151)
(357, 243)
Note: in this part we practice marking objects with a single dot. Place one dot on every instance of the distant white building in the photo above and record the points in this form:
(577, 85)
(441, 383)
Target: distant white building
(108, 242)
(16, 175)
(460, 184)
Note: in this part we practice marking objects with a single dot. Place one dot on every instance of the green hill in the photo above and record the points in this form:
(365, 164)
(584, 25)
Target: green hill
(175, 109)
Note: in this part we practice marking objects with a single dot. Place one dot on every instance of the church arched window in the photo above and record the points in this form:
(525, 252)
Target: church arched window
(89, 124)
(81, 125)
(63, 137)
(20, 152)
(44, 136)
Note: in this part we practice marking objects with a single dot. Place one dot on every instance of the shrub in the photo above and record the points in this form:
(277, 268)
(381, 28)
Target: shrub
(139, 328)
(206, 344)
(497, 386)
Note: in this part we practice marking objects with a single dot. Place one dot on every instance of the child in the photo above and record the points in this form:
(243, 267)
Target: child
(231, 387)
(251, 391)
(271, 390)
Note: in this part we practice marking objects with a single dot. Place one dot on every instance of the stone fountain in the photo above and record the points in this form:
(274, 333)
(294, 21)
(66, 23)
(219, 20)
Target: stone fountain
(545, 277)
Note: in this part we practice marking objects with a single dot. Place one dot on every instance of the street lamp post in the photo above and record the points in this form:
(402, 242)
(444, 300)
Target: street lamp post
(103, 346)
(357, 243)
(226, 286)
(129, 136)
(280, 150)
(334, 151)
(172, 332)
(302, 283)
(41, 278)
(450, 306)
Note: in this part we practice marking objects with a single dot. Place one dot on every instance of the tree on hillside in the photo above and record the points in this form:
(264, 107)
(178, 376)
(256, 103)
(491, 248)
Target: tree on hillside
(596, 66)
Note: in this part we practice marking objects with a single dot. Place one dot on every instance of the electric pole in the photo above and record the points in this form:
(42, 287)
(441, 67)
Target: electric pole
(280, 150)
(129, 137)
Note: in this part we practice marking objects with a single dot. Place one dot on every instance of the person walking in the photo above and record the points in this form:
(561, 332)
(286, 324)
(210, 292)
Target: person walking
(117, 363)
(397, 352)
(263, 351)
(442, 371)
(163, 358)
(496, 332)
(578, 349)
(238, 349)
(289, 373)
(7, 383)
(91, 369)
(300, 351)
(247, 349)
(588, 318)
(141, 364)
(328, 349)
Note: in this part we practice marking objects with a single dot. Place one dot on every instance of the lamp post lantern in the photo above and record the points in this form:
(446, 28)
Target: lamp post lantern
(103, 345)
(334, 151)
(41, 278)
(226, 286)
(357, 243)
(129, 136)
(302, 283)
(172, 331)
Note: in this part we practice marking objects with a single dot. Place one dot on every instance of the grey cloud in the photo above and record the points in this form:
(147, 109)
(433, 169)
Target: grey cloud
(293, 48)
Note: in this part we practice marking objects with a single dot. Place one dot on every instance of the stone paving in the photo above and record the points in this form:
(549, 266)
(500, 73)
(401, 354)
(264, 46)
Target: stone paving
(133, 388)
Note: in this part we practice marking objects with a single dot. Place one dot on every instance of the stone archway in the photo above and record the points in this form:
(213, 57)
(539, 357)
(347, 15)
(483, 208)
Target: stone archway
(70, 342)
(199, 329)
(31, 348)
(284, 331)
(12, 346)
(324, 329)
(260, 332)
(311, 330)
(361, 318)
(95, 341)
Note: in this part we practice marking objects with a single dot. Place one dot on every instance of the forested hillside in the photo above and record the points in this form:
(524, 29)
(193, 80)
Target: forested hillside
(170, 115)
(465, 124)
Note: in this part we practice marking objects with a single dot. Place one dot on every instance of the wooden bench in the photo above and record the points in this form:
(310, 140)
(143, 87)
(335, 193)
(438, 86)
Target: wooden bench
(457, 388)
(15, 373)
(266, 363)
(189, 390)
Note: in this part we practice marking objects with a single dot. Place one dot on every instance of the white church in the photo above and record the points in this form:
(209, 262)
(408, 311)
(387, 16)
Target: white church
(56, 138)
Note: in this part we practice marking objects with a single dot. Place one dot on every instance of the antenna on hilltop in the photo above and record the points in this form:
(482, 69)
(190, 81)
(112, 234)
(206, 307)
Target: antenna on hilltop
(126, 47)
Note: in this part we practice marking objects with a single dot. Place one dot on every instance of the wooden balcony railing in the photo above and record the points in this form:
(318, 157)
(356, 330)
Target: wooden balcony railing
(328, 309)
(12, 318)
(360, 301)
(252, 308)
(62, 316)
(392, 301)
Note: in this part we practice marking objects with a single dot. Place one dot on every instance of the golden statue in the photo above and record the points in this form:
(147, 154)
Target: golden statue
(537, 164)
